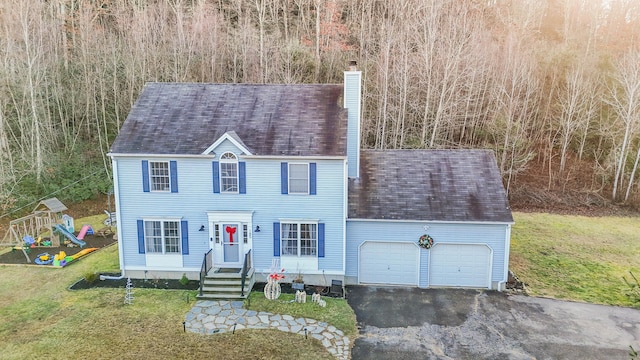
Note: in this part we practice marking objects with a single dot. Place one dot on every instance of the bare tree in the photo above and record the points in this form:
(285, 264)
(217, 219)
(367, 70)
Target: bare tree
(515, 106)
(625, 101)
(577, 105)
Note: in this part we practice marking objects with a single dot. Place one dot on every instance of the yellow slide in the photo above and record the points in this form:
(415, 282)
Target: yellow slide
(83, 252)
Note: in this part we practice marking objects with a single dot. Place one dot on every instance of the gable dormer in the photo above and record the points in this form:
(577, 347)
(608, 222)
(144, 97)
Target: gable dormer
(228, 142)
(229, 173)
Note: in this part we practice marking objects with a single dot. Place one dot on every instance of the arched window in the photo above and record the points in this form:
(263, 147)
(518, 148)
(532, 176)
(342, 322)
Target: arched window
(229, 173)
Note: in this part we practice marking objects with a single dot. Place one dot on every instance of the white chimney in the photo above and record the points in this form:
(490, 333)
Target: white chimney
(352, 101)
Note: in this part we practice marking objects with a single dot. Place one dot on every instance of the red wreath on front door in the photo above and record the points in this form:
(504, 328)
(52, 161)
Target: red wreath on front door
(230, 230)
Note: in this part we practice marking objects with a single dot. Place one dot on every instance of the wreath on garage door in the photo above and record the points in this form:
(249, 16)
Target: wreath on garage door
(425, 241)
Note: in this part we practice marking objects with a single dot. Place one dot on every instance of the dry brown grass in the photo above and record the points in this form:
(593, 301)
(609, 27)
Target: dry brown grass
(40, 318)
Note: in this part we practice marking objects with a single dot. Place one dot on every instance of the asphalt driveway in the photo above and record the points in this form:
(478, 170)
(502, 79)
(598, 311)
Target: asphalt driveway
(399, 323)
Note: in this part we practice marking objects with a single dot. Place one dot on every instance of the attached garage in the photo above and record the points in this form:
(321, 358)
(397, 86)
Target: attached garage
(460, 265)
(392, 263)
(456, 197)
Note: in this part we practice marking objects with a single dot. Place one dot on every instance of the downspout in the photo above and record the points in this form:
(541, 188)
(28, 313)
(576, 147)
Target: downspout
(107, 277)
(116, 197)
(507, 240)
(345, 216)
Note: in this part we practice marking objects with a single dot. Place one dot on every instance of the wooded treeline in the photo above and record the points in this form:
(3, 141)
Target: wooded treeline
(550, 85)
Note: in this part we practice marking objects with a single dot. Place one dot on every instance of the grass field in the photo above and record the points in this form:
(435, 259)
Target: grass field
(575, 257)
(40, 318)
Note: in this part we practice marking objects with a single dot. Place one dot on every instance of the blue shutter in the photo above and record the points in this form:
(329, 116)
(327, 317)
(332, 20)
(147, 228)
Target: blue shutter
(173, 172)
(216, 177)
(242, 177)
(284, 177)
(145, 175)
(321, 240)
(276, 239)
(312, 178)
(140, 237)
(185, 237)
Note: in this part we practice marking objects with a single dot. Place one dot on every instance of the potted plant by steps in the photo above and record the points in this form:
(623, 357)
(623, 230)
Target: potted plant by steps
(298, 283)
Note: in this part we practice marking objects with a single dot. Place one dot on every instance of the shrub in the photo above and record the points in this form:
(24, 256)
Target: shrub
(90, 277)
(184, 280)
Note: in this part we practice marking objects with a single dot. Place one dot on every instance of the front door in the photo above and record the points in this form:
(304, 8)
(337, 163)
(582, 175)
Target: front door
(230, 237)
(231, 244)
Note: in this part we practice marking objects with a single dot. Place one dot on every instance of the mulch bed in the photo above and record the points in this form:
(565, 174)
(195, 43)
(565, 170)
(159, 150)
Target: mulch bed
(169, 284)
(174, 284)
(17, 257)
(309, 289)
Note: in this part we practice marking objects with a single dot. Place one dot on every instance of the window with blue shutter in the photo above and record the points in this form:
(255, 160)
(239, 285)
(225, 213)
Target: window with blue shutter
(140, 237)
(276, 239)
(163, 237)
(298, 178)
(229, 175)
(184, 232)
(159, 176)
(301, 239)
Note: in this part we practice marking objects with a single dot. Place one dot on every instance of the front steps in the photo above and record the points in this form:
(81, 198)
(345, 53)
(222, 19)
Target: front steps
(225, 284)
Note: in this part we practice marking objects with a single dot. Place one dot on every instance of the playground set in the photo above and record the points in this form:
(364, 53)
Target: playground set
(38, 230)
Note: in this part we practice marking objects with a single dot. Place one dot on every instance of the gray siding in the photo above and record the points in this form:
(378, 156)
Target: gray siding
(195, 197)
(492, 235)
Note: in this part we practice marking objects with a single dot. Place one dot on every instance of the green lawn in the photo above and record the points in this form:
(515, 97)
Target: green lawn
(40, 318)
(575, 257)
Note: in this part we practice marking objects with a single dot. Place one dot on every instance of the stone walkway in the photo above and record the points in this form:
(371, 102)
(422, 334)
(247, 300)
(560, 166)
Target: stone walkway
(212, 317)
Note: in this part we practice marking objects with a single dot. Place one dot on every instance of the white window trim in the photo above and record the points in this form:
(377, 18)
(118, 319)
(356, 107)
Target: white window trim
(305, 264)
(298, 240)
(162, 220)
(289, 177)
(151, 176)
(235, 161)
(164, 261)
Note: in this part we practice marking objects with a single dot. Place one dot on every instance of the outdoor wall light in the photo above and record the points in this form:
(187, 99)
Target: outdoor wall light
(201, 228)
(257, 228)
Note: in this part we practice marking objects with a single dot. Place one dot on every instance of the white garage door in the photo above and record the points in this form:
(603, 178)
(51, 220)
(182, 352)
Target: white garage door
(459, 265)
(393, 263)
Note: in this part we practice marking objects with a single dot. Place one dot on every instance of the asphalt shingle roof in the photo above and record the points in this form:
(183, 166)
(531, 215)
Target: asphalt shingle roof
(307, 120)
(440, 185)
(283, 120)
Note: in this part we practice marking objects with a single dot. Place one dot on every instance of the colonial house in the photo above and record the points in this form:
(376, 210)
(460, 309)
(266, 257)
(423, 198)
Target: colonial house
(211, 178)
